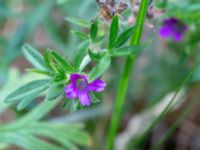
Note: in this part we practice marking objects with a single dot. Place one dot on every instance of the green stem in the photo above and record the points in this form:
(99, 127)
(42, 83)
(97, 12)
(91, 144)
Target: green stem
(124, 79)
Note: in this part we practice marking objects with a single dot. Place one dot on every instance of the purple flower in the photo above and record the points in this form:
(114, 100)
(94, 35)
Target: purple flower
(173, 28)
(80, 87)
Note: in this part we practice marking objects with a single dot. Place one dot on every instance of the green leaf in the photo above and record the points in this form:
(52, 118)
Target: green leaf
(48, 59)
(31, 88)
(25, 101)
(38, 71)
(52, 132)
(125, 51)
(55, 91)
(94, 99)
(96, 56)
(100, 68)
(62, 62)
(82, 50)
(34, 57)
(98, 39)
(65, 134)
(71, 104)
(113, 31)
(78, 22)
(74, 105)
(94, 29)
(124, 36)
(35, 114)
(81, 35)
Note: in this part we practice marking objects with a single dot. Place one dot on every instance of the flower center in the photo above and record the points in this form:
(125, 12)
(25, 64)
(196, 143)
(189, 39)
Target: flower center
(81, 84)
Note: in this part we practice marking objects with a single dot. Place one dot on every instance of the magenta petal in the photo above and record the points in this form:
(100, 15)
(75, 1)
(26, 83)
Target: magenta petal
(84, 98)
(97, 85)
(70, 91)
(165, 32)
(74, 77)
(177, 36)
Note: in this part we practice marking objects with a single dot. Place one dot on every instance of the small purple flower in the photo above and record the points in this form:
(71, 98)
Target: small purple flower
(80, 87)
(173, 28)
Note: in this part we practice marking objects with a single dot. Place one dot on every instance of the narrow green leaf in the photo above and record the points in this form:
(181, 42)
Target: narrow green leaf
(113, 31)
(52, 132)
(124, 36)
(62, 62)
(98, 39)
(34, 57)
(55, 91)
(125, 51)
(35, 114)
(81, 52)
(78, 22)
(31, 88)
(94, 29)
(81, 35)
(38, 71)
(100, 68)
(96, 56)
(65, 134)
(47, 59)
(25, 102)
(71, 104)
(94, 99)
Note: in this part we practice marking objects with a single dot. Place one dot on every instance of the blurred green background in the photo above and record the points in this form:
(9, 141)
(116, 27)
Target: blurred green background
(159, 69)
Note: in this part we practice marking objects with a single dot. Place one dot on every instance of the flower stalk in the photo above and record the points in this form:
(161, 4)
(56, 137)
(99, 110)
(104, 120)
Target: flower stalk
(124, 79)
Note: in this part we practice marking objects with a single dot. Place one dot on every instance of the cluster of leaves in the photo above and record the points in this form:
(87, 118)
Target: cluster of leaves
(27, 131)
(57, 68)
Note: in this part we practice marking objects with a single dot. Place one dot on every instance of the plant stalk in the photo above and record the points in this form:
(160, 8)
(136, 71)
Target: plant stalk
(124, 79)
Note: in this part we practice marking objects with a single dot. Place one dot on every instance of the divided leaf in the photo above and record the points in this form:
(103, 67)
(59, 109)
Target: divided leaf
(100, 68)
(29, 89)
(33, 56)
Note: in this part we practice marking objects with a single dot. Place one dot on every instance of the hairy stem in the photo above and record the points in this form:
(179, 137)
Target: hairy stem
(124, 79)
